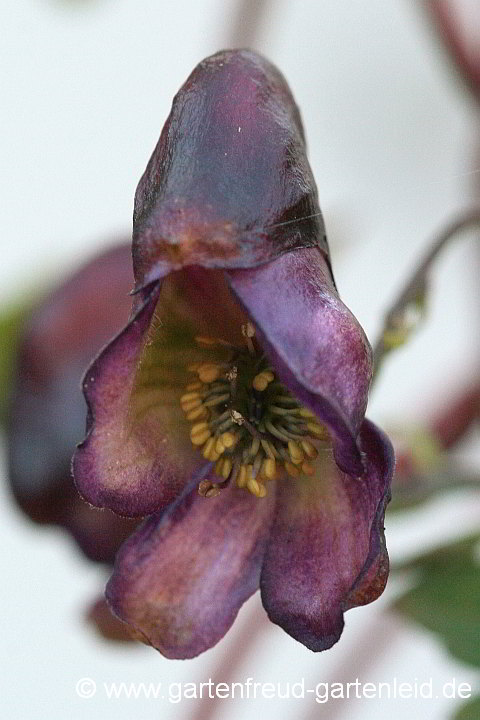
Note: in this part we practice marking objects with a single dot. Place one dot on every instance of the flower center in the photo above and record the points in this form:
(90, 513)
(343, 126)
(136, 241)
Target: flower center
(246, 421)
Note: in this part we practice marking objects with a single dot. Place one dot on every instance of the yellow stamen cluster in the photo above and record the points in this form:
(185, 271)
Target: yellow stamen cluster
(246, 422)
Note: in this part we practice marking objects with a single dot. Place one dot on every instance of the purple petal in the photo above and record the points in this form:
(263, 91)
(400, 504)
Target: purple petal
(326, 551)
(229, 183)
(138, 452)
(47, 412)
(181, 579)
(106, 624)
(314, 342)
(129, 461)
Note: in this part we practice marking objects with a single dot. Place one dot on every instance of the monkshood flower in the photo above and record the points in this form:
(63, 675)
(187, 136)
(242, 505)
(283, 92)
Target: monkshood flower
(46, 415)
(231, 407)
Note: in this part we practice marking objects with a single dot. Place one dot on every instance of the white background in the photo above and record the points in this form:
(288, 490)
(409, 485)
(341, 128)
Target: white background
(85, 89)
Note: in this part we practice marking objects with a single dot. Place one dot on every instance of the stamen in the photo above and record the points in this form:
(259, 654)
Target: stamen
(199, 413)
(257, 464)
(248, 332)
(225, 426)
(296, 452)
(318, 430)
(191, 404)
(217, 400)
(292, 433)
(208, 489)
(209, 452)
(242, 476)
(208, 372)
(262, 380)
(188, 397)
(199, 433)
(269, 449)
(286, 400)
(269, 468)
(246, 422)
(255, 446)
(276, 432)
(306, 413)
(228, 439)
(219, 446)
(227, 468)
(256, 488)
(309, 449)
(235, 471)
(283, 411)
(221, 419)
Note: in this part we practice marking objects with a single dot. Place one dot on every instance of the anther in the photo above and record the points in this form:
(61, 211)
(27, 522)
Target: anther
(219, 446)
(209, 372)
(242, 476)
(253, 485)
(228, 439)
(306, 413)
(226, 468)
(209, 450)
(199, 433)
(269, 468)
(198, 413)
(262, 380)
(256, 488)
(188, 397)
(318, 430)
(295, 451)
(309, 449)
(194, 386)
(191, 404)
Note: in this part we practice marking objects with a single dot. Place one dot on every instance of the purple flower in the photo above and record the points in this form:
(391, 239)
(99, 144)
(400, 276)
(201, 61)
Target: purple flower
(231, 407)
(46, 410)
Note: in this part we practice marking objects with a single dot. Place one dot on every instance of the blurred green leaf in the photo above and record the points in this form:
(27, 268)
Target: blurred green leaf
(446, 597)
(421, 488)
(443, 556)
(11, 323)
(470, 711)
